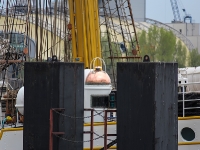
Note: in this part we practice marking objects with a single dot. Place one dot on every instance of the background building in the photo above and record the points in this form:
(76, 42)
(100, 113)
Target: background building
(190, 30)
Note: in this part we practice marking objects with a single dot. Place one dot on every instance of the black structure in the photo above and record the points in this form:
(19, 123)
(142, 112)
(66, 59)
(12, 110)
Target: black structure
(147, 115)
(53, 85)
(146, 58)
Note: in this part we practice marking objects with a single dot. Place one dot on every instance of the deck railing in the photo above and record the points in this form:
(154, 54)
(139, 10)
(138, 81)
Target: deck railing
(185, 90)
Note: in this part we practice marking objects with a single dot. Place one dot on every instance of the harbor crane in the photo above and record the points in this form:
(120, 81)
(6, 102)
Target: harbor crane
(187, 16)
(177, 18)
(175, 10)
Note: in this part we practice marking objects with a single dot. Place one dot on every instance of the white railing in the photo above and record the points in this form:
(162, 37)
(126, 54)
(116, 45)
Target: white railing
(185, 91)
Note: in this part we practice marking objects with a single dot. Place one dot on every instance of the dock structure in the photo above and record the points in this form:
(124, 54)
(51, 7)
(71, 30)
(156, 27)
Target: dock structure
(147, 106)
(52, 90)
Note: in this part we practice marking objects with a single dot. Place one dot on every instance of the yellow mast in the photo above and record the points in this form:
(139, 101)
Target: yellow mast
(85, 32)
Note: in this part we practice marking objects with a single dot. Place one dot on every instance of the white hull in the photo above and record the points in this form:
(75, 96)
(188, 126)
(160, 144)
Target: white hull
(13, 140)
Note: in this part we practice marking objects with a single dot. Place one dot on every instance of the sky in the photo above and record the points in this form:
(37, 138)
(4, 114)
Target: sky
(161, 10)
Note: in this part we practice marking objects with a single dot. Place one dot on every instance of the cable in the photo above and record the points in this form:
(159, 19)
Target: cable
(181, 3)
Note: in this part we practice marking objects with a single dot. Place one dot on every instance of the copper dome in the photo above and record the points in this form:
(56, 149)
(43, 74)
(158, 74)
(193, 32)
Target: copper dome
(98, 76)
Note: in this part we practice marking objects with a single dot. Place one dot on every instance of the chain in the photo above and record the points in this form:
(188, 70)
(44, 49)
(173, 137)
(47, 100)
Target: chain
(99, 114)
(98, 137)
(108, 118)
(65, 139)
(72, 117)
(102, 136)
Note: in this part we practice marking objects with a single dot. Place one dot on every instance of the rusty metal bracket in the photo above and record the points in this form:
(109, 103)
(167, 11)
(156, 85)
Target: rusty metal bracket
(51, 133)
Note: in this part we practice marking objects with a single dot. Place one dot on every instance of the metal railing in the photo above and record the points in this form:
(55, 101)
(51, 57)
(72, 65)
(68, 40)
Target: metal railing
(184, 90)
(94, 136)
(51, 132)
(91, 132)
(106, 146)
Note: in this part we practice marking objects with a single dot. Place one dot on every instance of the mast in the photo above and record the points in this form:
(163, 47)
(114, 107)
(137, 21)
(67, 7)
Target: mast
(85, 30)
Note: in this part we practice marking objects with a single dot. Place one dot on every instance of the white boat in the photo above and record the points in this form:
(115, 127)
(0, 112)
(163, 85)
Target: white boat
(11, 133)
(188, 125)
(189, 119)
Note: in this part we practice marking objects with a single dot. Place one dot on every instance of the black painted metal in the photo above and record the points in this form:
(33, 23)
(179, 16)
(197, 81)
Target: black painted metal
(147, 114)
(110, 144)
(195, 111)
(72, 99)
(53, 85)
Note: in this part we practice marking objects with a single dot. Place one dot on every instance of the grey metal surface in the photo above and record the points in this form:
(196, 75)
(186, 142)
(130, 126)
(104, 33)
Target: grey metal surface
(53, 85)
(147, 106)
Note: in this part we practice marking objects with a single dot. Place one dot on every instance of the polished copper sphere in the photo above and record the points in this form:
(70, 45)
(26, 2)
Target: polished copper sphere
(98, 77)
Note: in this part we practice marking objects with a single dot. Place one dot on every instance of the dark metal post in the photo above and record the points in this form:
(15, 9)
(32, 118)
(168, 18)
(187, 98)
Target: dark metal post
(50, 89)
(51, 130)
(92, 129)
(105, 130)
(147, 109)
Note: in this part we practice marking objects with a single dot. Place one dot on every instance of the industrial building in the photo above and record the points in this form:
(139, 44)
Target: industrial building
(189, 31)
